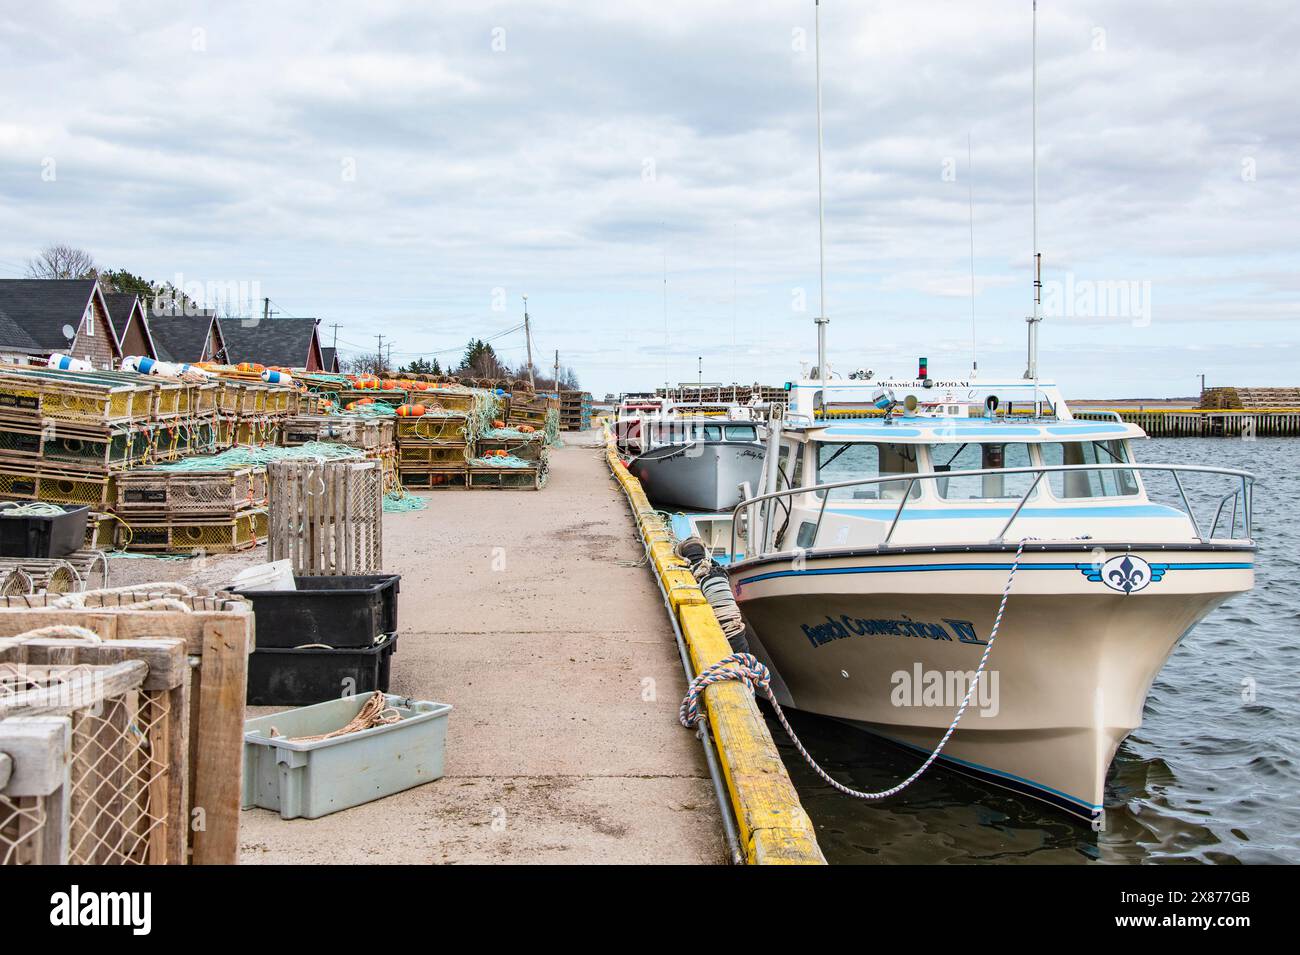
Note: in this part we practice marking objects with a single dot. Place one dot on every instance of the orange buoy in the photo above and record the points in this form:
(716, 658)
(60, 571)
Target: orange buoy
(498, 424)
(527, 428)
(410, 411)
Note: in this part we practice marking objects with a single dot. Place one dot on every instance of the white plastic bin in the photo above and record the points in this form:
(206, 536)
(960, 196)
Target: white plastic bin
(314, 779)
(277, 575)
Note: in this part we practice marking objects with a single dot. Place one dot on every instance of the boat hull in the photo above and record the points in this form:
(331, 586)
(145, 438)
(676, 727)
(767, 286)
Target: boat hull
(889, 640)
(702, 476)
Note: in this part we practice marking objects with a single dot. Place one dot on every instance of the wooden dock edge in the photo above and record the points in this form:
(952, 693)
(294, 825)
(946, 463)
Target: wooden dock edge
(774, 828)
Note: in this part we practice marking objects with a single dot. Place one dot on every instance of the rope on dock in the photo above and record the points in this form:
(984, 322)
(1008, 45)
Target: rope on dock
(745, 668)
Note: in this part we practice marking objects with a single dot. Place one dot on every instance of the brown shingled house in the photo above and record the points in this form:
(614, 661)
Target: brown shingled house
(127, 312)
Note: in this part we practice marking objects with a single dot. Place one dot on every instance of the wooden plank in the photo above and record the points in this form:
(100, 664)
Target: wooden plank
(220, 730)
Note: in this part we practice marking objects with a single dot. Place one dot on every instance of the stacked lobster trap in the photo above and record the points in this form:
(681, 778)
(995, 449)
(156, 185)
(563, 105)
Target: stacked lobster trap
(218, 510)
(72, 437)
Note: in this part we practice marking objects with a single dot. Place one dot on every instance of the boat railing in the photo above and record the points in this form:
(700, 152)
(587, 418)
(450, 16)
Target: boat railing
(763, 506)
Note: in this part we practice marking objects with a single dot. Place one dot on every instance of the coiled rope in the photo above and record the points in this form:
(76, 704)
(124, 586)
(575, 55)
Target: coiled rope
(745, 668)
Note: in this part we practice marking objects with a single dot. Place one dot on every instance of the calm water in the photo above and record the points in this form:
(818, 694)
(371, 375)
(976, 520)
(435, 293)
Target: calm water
(1209, 777)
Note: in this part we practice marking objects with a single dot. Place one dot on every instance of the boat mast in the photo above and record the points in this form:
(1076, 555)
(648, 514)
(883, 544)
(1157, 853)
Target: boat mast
(1031, 372)
(822, 320)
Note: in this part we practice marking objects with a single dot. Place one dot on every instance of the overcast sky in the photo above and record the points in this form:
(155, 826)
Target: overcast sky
(412, 170)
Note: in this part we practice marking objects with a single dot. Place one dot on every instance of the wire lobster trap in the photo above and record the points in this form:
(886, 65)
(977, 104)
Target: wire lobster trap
(326, 517)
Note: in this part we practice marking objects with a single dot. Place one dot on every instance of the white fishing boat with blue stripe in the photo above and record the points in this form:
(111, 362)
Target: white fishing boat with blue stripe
(882, 534)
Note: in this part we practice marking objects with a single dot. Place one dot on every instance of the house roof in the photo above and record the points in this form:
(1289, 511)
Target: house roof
(40, 308)
(271, 341)
(120, 305)
(180, 338)
(329, 358)
(125, 308)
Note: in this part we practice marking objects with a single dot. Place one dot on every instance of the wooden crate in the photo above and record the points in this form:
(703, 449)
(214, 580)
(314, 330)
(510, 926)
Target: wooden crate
(219, 636)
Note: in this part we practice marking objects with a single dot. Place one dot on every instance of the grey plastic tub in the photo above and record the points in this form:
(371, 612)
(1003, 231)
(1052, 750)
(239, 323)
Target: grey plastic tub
(314, 779)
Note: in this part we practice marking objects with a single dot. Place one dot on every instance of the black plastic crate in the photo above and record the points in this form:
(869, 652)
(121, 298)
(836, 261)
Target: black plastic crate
(344, 611)
(305, 675)
(43, 535)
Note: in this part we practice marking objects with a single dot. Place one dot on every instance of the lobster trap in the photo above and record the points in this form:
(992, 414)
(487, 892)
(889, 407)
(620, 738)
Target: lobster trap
(37, 483)
(218, 492)
(95, 744)
(326, 517)
(100, 398)
(429, 478)
(194, 533)
(514, 479)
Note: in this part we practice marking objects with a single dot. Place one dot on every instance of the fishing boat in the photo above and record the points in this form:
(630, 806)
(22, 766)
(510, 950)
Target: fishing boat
(689, 456)
(966, 568)
(877, 553)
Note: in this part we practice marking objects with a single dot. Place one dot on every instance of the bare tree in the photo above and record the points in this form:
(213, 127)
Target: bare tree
(61, 262)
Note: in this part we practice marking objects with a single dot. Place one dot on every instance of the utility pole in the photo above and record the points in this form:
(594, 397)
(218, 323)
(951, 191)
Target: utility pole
(557, 371)
(699, 385)
(266, 308)
(528, 339)
(379, 355)
(335, 326)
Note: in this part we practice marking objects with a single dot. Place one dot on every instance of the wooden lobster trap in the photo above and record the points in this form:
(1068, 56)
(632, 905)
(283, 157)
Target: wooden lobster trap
(429, 478)
(505, 478)
(205, 761)
(531, 447)
(72, 396)
(327, 517)
(447, 428)
(96, 750)
(185, 533)
(347, 430)
(168, 493)
(27, 482)
(428, 454)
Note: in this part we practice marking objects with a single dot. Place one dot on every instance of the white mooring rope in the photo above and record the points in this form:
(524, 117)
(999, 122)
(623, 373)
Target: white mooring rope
(745, 668)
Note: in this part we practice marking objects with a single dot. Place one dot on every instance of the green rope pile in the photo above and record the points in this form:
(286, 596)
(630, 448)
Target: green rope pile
(30, 509)
(510, 461)
(395, 503)
(248, 456)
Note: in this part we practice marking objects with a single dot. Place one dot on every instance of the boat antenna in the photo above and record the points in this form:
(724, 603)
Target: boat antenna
(1031, 372)
(822, 320)
(970, 203)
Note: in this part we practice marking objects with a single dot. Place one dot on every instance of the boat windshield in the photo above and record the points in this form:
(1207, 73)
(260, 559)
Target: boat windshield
(974, 456)
(1076, 484)
(861, 461)
(741, 432)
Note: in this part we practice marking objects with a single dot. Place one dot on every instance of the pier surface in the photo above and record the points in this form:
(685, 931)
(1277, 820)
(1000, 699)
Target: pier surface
(528, 613)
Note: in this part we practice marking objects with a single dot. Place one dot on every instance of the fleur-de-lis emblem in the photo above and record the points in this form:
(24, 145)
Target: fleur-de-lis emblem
(1126, 573)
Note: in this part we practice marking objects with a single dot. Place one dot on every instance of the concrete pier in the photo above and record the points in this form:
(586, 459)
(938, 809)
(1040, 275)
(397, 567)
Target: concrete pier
(528, 613)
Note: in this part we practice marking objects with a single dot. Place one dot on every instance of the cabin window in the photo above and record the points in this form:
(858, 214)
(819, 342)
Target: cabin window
(741, 432)
(975, 456)
(1085, 483)
(709, 432)
(851, 462)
